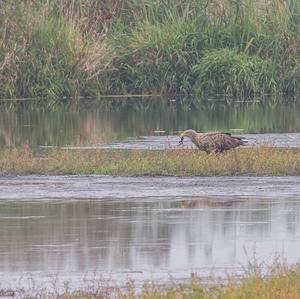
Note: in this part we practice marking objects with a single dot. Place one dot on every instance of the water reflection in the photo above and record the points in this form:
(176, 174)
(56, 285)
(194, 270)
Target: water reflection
(147, 237)
(97, 123)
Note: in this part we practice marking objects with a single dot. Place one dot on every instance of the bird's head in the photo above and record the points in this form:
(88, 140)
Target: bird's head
(188, 133)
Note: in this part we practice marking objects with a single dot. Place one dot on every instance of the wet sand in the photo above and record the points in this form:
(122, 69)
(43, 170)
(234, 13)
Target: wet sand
(99, 187)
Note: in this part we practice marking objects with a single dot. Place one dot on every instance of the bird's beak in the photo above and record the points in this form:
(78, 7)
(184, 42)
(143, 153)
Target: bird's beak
(181, 140)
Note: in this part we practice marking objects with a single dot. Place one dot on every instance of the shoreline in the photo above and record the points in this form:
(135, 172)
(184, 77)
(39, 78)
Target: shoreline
(279, 281)
(202, 190)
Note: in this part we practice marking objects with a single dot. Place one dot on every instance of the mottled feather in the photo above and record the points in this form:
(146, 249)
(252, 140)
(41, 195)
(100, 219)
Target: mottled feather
(213, 141)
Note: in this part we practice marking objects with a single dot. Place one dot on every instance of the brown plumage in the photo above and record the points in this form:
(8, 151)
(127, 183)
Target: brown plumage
(216, 142)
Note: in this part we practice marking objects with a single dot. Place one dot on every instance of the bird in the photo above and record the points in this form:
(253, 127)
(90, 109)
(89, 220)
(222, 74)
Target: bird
(213, 142)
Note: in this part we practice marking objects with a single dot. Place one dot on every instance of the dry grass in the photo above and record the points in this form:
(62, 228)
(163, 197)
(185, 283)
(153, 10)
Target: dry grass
(279, 282)
(174, 162)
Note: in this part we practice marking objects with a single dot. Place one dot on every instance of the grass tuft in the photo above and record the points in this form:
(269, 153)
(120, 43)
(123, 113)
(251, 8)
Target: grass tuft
(280, 281)
(235, 73)
(262, 161)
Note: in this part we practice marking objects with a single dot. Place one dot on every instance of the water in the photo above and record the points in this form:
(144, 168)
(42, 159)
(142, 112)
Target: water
(73, 227)
(143, 228)
(155, 122)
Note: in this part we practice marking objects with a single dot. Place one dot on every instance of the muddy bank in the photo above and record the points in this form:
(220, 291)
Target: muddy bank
(106, 187)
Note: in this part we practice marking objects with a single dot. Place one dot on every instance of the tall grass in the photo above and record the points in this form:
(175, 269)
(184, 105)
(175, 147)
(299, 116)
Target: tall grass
(234, 73)
(54, 48)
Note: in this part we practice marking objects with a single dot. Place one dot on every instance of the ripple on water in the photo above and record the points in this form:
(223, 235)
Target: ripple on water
(200, 225)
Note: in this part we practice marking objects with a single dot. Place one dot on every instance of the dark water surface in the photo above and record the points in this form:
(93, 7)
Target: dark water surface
(143, 228)
(119, 123)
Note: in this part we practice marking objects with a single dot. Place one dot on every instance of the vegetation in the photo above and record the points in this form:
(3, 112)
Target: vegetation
(280, 282)
(51, 48)
(173, 162)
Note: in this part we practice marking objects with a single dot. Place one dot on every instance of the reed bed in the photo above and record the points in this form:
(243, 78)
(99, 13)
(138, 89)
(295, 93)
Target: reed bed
(261, 161)
(56, 49)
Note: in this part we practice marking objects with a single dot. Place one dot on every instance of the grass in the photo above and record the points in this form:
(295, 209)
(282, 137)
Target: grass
(279, 282)
(56, 49)
(260, 161)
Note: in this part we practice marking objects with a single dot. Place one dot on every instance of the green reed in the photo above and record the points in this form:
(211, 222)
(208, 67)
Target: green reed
(51, 48)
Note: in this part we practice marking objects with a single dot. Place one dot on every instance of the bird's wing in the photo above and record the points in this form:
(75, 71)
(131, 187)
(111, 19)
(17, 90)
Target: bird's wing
(221, 135)
(215, 137)
(212, 134)
(220, 140)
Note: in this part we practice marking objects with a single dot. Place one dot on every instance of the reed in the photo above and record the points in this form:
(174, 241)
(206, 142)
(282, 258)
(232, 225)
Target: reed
(56, 49)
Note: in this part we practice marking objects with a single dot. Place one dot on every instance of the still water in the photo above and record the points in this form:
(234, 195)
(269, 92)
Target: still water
(109, 122)
(144, 228)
